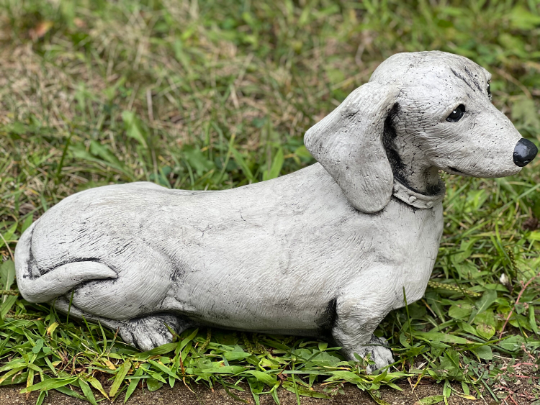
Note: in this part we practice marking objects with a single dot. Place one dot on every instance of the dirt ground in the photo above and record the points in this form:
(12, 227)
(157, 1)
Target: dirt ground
(181, 395)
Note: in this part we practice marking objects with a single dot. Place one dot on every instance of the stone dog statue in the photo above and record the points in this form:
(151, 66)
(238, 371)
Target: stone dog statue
(325, 251)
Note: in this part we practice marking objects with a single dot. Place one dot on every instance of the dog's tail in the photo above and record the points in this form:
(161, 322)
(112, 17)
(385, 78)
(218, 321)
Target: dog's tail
(57, 282)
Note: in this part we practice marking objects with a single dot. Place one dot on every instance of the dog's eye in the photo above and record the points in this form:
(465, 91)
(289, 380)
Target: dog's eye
(456, 115)
(489, 90)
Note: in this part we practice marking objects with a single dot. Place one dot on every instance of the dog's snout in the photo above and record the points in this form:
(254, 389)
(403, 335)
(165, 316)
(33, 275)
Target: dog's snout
(524, 152)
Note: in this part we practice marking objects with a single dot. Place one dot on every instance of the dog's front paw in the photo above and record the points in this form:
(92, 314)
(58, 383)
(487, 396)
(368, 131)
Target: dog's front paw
(150, 332)
(378, 351)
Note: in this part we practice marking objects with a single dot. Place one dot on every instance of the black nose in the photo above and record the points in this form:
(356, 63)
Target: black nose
(524, 152)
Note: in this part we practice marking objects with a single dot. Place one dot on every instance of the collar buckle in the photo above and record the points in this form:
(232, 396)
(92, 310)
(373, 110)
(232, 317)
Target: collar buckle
(418, 200)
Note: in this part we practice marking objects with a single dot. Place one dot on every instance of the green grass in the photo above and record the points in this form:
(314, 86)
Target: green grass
(217, 94)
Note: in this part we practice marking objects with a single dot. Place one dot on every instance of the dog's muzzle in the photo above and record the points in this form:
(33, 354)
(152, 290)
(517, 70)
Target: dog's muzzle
(524, 152)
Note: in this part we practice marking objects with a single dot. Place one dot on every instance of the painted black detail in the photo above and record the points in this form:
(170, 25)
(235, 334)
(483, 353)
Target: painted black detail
(31, 264)
(462, 78)
(329, 317)
(433, 189)
(524, 152)
(473, 78)
(388, 140)
(456, 115)
(455, 170)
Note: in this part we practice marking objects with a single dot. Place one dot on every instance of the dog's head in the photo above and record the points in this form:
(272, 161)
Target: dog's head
(419, 112)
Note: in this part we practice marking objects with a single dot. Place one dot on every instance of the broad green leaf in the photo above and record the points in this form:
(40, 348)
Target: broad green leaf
(27, 222)
(521, 18)
(460, 310)
(79, 153)
(345, 375)
(156, 376)
(534, 236)
(97, 385)
(120, 376)
(197, 160)
(153, 384)
(41, 397)
(243, 165)
(52, 328)
(102, 151)
(431, 400)
(87, 391)
(30, 378)
(14, 378)
(326, 359)
(68, 391)
(483, 352)
(467, 328)
(256, 387)
(486, 317)
(305, 392)
(17, 363)
(37, 348)
(133, 384)
(163, 349)
(512, 343)
(34, 367)
(7, 305)
(49, 384)
(184, 342)
(440, 337)
(524, 110)
(466, 246)
(134, 128)
(447, 390)
(275, 169)
(236, 355)
(485, 324)
(225, 370)
(8, 236)
(488, 298)
(302, 152)
(163, 368)
(485, 331)
(322, 346)
(7, 274)
(265, 378)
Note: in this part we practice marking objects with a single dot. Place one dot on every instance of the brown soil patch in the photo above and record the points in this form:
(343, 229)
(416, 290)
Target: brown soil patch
(181, 395)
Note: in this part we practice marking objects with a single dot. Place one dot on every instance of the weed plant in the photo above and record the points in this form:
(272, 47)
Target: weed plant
(218, 94)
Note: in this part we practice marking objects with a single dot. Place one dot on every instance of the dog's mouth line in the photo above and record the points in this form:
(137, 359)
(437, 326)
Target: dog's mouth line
(457, 171)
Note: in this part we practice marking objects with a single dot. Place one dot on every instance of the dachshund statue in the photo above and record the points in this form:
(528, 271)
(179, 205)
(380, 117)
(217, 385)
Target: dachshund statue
(326, 251)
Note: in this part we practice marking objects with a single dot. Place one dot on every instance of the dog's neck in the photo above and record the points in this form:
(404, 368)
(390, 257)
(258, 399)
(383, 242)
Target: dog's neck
(415, 199)
(423, 180)
(409, 163)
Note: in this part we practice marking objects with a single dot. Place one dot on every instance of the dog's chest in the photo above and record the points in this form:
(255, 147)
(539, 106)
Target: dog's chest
(408, 242)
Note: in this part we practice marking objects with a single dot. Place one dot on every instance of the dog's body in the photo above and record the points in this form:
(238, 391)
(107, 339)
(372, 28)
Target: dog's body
(328, 249)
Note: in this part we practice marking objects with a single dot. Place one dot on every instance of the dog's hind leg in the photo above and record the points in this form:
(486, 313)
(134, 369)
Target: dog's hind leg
(62, 304)
(144, 333)
(149, 332)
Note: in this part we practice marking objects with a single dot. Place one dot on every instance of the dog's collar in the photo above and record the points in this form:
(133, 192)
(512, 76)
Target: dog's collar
(416, 199)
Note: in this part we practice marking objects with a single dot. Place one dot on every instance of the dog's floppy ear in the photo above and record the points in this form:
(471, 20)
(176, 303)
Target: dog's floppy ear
(348, 143)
